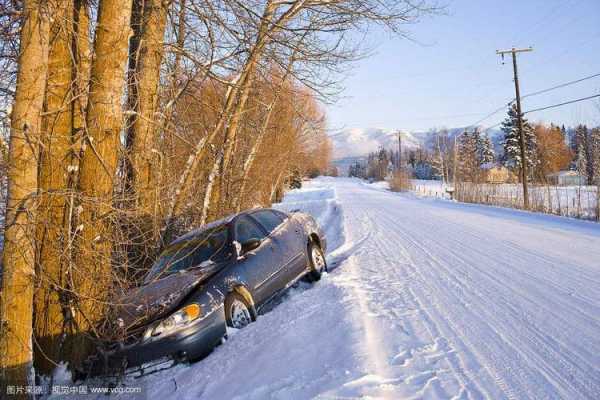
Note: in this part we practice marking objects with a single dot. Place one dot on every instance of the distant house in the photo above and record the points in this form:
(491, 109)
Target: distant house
(566, 178)
(495, 173)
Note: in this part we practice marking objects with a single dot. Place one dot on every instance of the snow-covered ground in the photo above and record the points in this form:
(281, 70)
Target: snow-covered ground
(426, 299)
(571, 201)
(430, 188)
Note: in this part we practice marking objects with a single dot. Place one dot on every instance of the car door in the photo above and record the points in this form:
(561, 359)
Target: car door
(284, 232)
(262, 264)
(298, 243)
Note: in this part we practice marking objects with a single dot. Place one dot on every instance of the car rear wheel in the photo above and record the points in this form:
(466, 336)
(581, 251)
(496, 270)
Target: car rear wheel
(238, 313)
(317, 262)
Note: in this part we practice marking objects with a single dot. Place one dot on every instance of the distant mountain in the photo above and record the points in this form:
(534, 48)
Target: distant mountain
(358, 142)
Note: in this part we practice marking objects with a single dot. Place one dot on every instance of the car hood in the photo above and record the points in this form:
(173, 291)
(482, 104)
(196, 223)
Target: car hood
(147, 303)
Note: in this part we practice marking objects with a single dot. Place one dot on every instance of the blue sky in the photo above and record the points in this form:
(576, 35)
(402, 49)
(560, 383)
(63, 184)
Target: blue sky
(451, 69)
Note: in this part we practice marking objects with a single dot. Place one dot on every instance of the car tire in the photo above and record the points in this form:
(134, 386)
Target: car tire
(316, 262)
(238, 312)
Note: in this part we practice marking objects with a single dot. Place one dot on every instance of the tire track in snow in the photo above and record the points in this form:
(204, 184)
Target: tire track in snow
(468, 388)
(541, 342)
(433, 325)
(492, 371)
(458, 283)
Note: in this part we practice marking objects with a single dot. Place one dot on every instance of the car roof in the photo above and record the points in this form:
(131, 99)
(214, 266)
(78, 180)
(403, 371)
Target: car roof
(195, 232)
(223, 221)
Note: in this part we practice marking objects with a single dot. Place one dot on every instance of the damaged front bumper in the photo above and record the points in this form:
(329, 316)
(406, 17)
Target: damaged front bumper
(190, 343)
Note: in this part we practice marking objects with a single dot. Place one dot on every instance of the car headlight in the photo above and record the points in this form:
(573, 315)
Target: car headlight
(177, 320)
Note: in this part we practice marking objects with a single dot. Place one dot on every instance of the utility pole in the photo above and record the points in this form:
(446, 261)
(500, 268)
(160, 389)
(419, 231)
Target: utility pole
(524, 174)
(399, 150)
(455, 163)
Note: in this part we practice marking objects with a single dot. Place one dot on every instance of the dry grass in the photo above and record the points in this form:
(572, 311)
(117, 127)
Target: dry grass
(400, 182)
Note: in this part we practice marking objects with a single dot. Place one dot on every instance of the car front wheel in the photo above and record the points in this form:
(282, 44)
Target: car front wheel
(238, 313)
(317, 262)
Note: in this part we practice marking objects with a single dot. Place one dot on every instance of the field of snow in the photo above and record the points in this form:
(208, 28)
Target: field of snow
(430, 188)
(424, 299)
(570, 201)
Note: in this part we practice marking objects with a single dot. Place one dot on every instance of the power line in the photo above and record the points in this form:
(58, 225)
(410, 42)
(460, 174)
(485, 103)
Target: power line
(545, 108)
(562, 85)
(496, 111)
(562, 104)
(484, 130)
(502, 108)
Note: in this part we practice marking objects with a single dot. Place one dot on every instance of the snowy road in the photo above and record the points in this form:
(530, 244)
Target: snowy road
(428, 299)
(490, 303)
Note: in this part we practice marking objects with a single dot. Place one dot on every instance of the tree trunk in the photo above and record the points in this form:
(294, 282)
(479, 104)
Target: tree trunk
(83, 58)
(68, 72)
(53, 181)
(16, 299)
(144, 101)
(208, 192)
(239, 197)
(91, 276)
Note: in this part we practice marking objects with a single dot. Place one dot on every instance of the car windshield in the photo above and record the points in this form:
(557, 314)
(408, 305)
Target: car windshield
(198, 251)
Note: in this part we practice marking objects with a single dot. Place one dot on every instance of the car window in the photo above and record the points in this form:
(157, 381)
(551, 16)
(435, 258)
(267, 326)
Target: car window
(281, 214)
(268, 219)
(246, 229)
(193, 252)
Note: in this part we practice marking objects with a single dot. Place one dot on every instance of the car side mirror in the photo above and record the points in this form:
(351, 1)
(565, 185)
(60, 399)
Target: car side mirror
(250, 245)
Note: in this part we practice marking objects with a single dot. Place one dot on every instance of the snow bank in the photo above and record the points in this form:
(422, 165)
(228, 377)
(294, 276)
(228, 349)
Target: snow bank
(318, 199)
(311, 193)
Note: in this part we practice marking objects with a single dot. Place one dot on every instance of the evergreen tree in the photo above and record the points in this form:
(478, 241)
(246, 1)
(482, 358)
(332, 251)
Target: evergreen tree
(485, 150)
(512, 147)
(581, 163)
(585, 153)
(379, 164)
(474, 150)
(357, 170)
(595, 152)
(468, 163)
(573, 142)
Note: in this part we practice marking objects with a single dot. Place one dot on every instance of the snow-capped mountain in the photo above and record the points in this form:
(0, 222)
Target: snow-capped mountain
(358, 142)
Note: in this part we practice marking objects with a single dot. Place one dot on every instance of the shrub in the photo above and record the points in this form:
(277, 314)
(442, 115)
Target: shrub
(400, 181)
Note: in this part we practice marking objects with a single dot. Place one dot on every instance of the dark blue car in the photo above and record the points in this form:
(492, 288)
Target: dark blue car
(216, 276)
